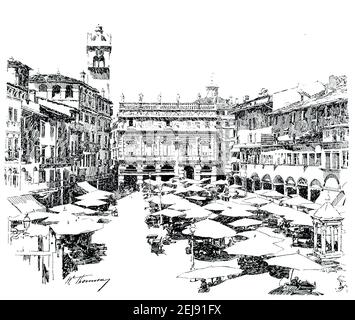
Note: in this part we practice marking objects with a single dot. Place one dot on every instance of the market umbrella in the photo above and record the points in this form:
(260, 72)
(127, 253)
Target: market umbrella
(256, 201)
(210, 272)
(180, 189)
(204, 180)
(60, 217)
(190, 181)
(236, 213)
(195, 188)
(183, 205)
(71, 208)
(303, 219)
(76, 227)
(283, 211)
(151, 182)
(167, 189)
(98, 194)
(297, 201)
(259, 244)
(245, 222)
(210, 229)
(166, 199)
(270, 194)
(310, 206)
(91, 203)
(220, 182)
(169, 213)
(196, 198)
(197, 212)
(294, 261)
(214, 206)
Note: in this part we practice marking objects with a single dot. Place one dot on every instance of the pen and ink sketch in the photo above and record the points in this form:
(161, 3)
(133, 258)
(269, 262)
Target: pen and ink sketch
(218, 193)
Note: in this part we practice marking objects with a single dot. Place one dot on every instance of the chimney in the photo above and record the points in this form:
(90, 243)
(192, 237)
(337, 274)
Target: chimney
(333, 81)
(32, 96)
(246, 98)
(82, 76)
(103, 92)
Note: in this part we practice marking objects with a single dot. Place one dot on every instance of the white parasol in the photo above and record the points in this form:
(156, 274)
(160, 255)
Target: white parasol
(211, 229)
(210, 272)
(245, 222)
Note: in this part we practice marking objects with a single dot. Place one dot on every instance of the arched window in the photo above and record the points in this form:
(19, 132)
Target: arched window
(42, 88)
(69, 91)
(56, 90)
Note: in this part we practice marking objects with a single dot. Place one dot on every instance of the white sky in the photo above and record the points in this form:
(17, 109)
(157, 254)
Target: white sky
(173, 46)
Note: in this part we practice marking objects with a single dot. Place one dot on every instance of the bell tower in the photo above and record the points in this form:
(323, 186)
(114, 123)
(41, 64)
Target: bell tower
(212, 89)
(98, 51)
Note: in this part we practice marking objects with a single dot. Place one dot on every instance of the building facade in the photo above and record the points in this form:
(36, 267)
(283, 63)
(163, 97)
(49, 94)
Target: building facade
(89, 144)
(163, 140)
(299, 148)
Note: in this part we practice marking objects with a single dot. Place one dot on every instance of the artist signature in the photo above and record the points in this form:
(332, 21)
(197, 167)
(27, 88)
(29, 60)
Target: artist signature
(87, 279)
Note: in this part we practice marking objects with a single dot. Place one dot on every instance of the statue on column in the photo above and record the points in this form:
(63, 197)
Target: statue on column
(159, 98)
(140, 97)
(178, 98)
(122, 97)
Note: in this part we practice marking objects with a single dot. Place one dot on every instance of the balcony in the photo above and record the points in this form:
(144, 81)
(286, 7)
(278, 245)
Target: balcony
(76, 127)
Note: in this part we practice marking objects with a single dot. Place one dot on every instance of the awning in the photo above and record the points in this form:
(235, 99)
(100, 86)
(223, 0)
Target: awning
(26, 203)
(91, 203)
(86, 186)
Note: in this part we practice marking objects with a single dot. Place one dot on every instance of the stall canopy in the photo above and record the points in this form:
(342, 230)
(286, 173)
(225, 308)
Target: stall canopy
(245, 222)
(180, 189)
(256, 201)
(220, 182)
(71, 208)
(166, 199)
(211, 229)
(91, 203)
(296, 201)
(258, 244)
(295, 261)
(210, 272)
(236, 213)
(197, 198)
(26, 203)
(197, 213)
(214, 206)
(76, 227)
(270, 194)
(169, 213)
(195, 188)
(86, 186)
(98, 194)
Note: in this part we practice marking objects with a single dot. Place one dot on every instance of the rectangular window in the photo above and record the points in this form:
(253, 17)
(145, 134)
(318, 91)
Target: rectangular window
(10, 114)
(52, 131)
(312, 159)
(296, 160)
(43, 129)
(327, 160)
(319, 159)
(93, 119)
(336, 162)
(15, 115)
(86, 118)
(345, 159)
(80, 116)
(304, 159)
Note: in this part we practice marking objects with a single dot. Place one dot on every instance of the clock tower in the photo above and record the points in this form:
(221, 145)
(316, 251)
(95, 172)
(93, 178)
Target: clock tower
(98, 51)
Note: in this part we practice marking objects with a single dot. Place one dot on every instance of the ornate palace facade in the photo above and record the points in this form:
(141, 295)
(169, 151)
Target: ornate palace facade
(163, 140)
